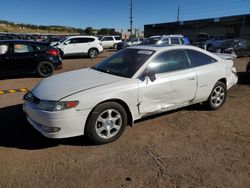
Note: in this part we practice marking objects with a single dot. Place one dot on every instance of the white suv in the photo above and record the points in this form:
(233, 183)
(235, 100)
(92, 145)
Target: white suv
(80, 45)
(110, 41)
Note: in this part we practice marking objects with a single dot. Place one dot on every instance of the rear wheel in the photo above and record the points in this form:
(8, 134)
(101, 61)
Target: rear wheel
(45, 69)
(106, 123)
(93, 53)
(217, 97)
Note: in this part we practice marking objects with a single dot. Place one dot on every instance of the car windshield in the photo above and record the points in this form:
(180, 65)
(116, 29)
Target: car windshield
(124, 63)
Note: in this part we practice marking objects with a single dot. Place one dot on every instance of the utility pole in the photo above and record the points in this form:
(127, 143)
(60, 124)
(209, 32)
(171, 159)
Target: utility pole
(131, 18)
(178, 14)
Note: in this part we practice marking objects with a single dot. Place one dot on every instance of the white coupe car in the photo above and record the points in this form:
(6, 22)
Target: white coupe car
(135, 82)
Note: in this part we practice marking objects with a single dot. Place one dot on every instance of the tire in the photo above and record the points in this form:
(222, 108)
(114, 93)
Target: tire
(93, 53)
(45, 69)
(217, 97)
(106, 123)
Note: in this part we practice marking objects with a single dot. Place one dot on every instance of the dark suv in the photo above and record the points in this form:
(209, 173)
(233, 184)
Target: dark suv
(18, 56)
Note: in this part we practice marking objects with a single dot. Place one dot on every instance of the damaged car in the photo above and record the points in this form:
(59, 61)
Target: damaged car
(131, 84)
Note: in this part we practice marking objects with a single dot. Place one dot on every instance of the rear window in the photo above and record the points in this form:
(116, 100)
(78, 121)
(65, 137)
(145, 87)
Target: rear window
(91, 39)
(117, 38)
(79, 40)
(199, 58)
(175, 41)
(107, 39)
(41, 47)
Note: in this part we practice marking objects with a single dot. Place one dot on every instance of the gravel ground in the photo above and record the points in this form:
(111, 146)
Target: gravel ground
(189, 147)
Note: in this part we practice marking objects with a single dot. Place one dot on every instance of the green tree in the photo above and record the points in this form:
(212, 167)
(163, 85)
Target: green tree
(89, 30)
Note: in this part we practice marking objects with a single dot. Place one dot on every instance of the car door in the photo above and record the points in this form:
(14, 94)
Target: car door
(171, 82)
(23, 57)
(86, 44)
(207, 70)
(107, 42)
(243, 48)
(5, 59)
(72, 46)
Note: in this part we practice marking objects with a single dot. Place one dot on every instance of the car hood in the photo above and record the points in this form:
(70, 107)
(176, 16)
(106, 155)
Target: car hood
(65, 84)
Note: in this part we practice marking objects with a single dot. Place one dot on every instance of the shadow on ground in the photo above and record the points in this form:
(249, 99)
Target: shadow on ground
(18, 75)
(244, 78)
(16, 132)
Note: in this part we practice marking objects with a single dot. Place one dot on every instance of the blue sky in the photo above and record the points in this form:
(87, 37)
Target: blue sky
(115, 13)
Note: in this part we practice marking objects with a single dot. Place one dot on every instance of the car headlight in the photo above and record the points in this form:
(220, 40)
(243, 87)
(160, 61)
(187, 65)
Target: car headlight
(57, 105)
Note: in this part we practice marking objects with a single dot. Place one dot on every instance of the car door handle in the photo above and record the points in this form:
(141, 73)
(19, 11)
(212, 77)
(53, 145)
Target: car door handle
(191, 78)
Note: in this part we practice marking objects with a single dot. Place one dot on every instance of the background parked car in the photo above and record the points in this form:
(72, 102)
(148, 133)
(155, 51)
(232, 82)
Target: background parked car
(239, 47)
(166, 39)
(80, 45)
(18, 56)
(200, 39)
(110, 41)
(129, 42)
(214, 41)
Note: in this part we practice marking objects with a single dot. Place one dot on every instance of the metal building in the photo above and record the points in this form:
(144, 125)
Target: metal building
(235, 26)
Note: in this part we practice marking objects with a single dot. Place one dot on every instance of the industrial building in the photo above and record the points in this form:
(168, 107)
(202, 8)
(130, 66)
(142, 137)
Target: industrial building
(234, 26)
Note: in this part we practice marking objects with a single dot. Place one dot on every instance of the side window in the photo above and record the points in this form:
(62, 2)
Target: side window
(41, 47)
(75, 40)
(199, 58)
(107, 39)
(4, 48)
(164, 41)
(170, 61)
(23, 48)
(117, 38)
(182, 41)
(91, 39)
(175, 41)
(84, 40)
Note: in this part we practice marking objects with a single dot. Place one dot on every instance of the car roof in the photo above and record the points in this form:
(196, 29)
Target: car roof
(160, 48)
(79, 36)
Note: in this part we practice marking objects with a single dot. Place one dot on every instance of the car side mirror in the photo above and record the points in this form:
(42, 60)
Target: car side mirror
(150, 73)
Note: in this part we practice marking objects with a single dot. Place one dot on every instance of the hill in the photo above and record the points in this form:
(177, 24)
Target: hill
(11, 27)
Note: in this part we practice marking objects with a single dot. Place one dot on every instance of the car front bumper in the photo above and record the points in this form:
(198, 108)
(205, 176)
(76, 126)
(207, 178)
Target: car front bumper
(56, 124)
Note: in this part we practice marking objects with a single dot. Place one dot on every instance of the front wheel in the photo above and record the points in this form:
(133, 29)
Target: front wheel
(93, 53)
(217, 97)
(45, 69)
(106, 123)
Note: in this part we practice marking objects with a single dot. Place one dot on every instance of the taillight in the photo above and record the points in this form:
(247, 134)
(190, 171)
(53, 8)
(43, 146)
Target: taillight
(53, 52)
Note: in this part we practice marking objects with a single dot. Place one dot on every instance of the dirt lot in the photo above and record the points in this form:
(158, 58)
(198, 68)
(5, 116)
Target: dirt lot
(190, 147)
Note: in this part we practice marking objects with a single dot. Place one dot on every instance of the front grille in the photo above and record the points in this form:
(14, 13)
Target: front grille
(31, 98)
